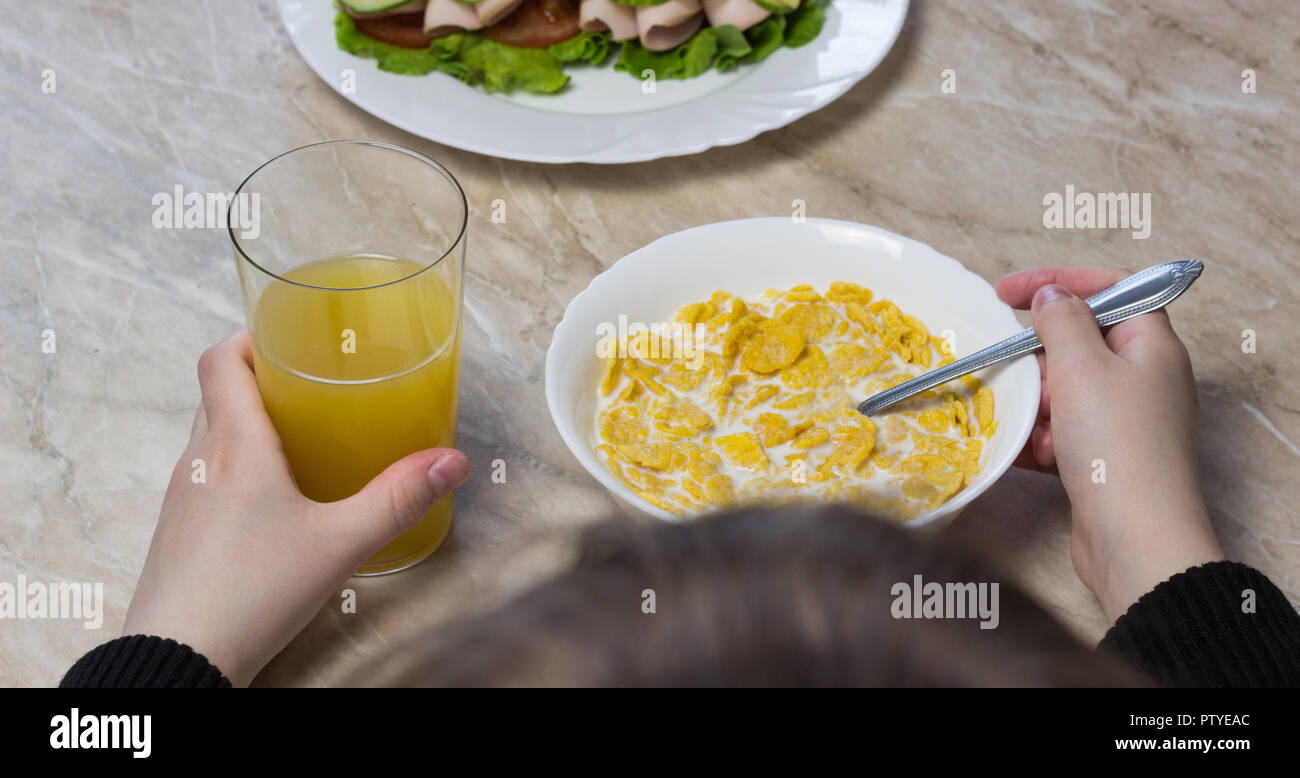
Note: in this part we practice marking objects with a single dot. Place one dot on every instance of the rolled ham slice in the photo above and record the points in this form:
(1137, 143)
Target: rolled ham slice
(668, 24)
(619, 19)
(444, 14)
(741, 13)
(450, 13)
(492, 11)
(415, 6)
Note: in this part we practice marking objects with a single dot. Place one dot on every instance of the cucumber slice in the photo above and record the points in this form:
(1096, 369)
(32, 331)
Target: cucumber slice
(373, 6)
(777, 6)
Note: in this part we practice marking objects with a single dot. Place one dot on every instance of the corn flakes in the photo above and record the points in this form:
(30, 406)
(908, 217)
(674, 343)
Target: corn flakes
(768, 414)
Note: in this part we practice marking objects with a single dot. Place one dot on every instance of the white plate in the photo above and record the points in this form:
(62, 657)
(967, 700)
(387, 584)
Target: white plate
(605, 116)
(748, 256)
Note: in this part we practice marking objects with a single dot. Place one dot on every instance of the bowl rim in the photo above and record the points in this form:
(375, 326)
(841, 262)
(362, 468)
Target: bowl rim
(990, 473)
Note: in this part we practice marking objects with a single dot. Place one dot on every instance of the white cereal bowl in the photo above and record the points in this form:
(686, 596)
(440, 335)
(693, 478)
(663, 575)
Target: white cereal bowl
(746, 257)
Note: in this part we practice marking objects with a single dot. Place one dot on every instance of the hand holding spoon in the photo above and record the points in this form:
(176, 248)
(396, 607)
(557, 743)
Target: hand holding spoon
(1142, 292)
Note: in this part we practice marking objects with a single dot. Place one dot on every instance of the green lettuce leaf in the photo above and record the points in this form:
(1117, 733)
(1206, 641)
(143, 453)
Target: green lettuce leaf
(765, 37)
(589, 47)
(698, 54)
(806, 23)
(467, 56)
(732, 46)
(504, 68)
(751, 46)
(636, 59)
(724, 47)
(686, 60)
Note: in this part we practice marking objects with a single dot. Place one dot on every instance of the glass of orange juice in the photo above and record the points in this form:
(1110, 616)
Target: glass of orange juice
(351, 258)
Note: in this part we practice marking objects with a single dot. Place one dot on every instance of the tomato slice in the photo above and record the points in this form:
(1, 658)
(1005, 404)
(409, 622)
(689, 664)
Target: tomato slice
(537, 23)
(405, 30)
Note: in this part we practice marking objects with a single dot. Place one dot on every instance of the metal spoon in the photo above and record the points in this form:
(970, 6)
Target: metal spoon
(1142, 292)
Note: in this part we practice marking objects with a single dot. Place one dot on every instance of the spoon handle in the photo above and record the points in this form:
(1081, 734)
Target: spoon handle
(1140, 293)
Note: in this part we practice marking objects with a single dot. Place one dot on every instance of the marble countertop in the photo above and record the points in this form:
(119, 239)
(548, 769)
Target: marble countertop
(1100, 95)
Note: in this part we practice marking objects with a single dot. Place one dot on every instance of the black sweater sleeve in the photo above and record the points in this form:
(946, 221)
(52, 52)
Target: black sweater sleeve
(1220, 624)
(140, 661)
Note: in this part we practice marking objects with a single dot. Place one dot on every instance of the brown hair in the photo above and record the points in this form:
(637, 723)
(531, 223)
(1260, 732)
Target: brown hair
(796, 596)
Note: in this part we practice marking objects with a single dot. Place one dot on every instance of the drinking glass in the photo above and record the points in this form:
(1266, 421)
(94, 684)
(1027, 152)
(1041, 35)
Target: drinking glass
(351, 260)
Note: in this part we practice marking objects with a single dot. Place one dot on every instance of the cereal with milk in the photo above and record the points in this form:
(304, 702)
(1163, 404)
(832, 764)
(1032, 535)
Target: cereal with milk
(763, 407)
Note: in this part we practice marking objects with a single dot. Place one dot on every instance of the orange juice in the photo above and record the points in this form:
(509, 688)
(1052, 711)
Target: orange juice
(356, 378)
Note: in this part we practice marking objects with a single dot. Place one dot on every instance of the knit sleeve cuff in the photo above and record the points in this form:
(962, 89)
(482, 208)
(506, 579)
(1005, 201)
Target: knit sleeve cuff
(141, 661)
(1220, 624)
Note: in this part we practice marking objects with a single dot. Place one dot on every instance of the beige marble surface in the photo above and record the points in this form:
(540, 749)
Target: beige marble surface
(1101, 94)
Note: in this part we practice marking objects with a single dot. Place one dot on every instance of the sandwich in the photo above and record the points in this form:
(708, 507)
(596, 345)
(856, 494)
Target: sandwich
(505, 45)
